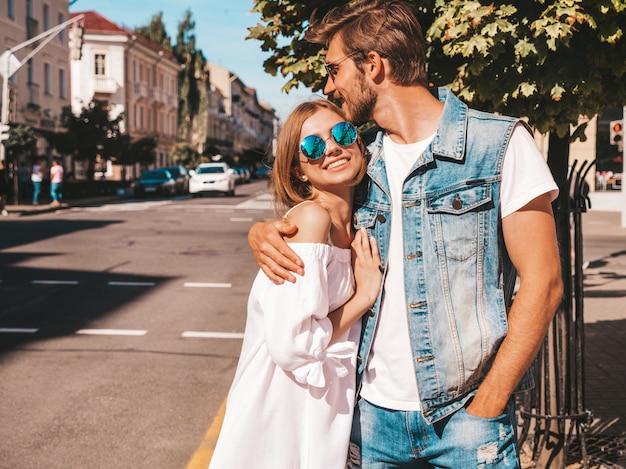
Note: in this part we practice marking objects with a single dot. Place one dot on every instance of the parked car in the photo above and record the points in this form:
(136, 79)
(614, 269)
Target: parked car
(244, 174)
(212, 177)
(155, 181)
(181, 176)
(262, 172)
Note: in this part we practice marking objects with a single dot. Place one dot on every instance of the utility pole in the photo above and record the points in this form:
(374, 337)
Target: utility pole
(10, 64)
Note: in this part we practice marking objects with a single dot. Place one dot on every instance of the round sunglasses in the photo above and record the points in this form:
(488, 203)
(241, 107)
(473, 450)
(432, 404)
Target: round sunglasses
(314, 146)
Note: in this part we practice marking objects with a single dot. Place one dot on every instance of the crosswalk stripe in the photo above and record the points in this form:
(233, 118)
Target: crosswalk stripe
(212, 335)
(128, 332)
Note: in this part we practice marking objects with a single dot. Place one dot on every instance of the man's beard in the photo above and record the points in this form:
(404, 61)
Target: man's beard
(362, 110)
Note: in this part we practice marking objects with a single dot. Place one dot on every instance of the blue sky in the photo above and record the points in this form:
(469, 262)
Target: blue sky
(220, 32)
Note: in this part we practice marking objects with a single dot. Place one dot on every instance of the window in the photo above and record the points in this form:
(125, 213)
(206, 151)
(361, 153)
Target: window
(11, 9)
(47, 88)
(46, 17)
(29, 9)
(99, 61)
(31, 72)
(60, 20)
(62, 83)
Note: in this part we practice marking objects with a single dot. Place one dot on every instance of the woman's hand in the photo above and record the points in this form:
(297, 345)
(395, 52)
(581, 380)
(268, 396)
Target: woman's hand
(368, 270)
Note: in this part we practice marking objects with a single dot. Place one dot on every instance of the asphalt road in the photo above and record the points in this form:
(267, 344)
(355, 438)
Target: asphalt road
(120, 329)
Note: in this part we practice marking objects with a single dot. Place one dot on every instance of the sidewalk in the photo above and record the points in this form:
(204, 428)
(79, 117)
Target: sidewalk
(604, 248)
(29, 209)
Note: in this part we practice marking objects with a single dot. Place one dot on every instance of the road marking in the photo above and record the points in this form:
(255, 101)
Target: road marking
(202, 457)
(212, 335)
(54, 282)
(132, 284)
(129, 332)
(17, 330)
(206, 285)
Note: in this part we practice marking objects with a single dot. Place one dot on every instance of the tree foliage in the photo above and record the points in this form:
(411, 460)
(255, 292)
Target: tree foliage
(185, 155)
(550, 61)
(143, 151)
(156, 32)
(22, 140)
(93, 135)
(193, 71)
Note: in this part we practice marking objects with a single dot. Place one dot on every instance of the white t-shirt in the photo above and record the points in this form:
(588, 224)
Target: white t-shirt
(389, 377)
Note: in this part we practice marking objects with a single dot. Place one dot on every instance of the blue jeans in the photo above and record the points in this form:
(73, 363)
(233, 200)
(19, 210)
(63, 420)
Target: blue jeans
(385, 439)
(36, 191)
(55, 191)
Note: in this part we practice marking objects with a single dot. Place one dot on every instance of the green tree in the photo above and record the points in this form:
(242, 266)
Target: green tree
(193, 62)
(22, 140)
(143, 151)
(186, 155)
(156, 32)
(92, 135)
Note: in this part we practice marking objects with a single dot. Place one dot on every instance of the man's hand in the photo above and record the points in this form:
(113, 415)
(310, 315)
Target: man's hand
(274, 256)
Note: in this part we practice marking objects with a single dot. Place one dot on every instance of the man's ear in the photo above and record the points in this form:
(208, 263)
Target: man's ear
(374, 66)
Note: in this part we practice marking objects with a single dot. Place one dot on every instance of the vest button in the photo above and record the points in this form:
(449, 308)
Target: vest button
(456, 203)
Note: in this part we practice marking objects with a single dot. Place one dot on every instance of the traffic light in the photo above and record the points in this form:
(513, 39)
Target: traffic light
(616, 132)
(76, 41)
(4, 132)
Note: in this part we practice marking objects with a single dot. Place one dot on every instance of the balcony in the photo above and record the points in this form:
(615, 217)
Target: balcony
(140, 90)
(103, 84)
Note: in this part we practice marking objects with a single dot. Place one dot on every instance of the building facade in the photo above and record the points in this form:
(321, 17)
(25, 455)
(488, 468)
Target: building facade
(133, 76)
(40, 89)
(238, 121)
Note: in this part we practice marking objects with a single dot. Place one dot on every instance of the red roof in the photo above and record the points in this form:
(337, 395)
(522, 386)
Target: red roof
(94, 22)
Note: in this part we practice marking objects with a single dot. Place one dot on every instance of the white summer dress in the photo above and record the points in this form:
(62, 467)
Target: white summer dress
(291, 402)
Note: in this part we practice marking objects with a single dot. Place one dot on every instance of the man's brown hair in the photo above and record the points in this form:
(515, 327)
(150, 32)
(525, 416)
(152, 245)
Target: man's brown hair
(387, 27)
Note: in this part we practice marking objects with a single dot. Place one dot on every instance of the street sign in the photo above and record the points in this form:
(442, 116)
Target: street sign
(9, 64)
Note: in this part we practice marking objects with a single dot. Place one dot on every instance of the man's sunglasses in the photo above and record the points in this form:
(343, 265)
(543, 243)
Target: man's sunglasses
(314, 146)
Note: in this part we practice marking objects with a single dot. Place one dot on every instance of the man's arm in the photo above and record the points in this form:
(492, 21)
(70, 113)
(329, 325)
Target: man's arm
(530, 238)
(272, 253)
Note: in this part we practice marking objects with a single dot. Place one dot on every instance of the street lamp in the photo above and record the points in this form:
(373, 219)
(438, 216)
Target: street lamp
(10, 64)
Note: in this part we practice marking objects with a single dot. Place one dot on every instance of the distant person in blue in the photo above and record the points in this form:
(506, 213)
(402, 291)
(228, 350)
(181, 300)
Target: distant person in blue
(56, 183)
(36, 177)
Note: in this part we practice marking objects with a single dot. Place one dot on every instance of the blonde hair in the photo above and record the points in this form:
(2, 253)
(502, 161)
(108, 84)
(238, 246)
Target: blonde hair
(387, 27)
(286, 187)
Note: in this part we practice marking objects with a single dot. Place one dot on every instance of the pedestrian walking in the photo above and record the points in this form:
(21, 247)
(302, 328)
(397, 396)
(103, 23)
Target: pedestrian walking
(36, 177)
(291, 402)
(23, 182)
(4, 189)
(458, 200)
(56, 183)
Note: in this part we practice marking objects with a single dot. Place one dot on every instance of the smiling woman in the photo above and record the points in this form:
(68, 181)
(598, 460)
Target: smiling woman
(290, 404)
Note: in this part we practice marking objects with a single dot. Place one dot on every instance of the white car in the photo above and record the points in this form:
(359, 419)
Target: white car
(213, 177)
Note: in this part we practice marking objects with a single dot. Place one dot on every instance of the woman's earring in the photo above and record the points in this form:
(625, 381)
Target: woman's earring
(303, 178)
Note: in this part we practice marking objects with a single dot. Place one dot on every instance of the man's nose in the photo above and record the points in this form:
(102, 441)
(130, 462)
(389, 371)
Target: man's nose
(329, 88)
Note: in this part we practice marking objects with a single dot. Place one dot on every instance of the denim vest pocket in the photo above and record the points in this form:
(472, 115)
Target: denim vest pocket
(457, 220)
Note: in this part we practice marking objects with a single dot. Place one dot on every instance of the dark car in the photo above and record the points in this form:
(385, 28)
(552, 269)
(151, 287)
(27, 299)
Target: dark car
(155, 182)
(262, 172)
(181, 176)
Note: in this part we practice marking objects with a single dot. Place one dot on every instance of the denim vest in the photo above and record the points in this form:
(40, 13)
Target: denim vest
(458, 277)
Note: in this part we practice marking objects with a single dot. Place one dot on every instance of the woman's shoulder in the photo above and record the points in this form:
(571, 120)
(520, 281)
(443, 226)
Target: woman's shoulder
(313, 222)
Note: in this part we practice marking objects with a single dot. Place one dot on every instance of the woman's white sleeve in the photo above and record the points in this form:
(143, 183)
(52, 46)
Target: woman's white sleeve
(297, 329)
